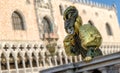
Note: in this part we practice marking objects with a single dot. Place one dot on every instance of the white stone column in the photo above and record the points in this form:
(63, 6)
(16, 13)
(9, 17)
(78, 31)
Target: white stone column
(14, 54)
(23, 62)
(37, 63)
(70, 57)
(36, 52)
(75, 58)
(8, 64)
(22, 54)
(49, 59)
(30, 59)
(29, 54)
(43, 61)
(55, 60)
(61, 62)
(66, 59)
(7, 54)
(16, 64)
(80, 58)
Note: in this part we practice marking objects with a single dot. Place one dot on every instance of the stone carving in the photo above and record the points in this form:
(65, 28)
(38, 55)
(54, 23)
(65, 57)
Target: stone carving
(81, 39)
(43, 4)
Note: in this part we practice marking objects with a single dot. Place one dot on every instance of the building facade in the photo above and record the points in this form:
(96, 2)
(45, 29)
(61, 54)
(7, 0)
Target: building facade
(24, 14)
(28, 25)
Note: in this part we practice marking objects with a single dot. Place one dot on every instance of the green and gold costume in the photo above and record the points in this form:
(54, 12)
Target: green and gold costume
(81, 39)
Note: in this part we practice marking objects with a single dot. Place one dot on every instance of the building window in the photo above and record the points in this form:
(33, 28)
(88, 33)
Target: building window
(61, 9)
(84, 11)
(96, 13)
(110, 16)
(17, 21)
(47, 26)
(108, 29)
(28, 1)
(90, 22)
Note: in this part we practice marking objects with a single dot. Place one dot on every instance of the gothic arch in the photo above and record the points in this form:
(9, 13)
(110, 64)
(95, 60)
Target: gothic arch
(34, 63)
(12, 61)
(3, 62)
(108, 29)
(20, 65)
(18, 20)
(27, 62)
(47, 25)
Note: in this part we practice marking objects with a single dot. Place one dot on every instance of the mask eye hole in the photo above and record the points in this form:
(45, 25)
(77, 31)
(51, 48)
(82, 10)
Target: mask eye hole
(67, 16)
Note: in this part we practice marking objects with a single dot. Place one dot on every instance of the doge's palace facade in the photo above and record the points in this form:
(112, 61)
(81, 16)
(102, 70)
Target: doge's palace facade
(27, 26)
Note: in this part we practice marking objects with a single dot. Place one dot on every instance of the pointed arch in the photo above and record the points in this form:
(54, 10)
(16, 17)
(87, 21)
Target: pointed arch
(27, 62)
(20, 64)
(3, 62)
(108, 29)
(12, 61)
(18, 21)
(47, 25)
(34, 63)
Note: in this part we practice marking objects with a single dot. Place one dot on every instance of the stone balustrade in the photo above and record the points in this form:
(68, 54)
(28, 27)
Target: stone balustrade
(103, 64)
(108, 48)
(33, 56)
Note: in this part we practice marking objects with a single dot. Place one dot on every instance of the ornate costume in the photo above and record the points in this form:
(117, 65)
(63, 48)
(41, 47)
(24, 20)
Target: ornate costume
(81, 39)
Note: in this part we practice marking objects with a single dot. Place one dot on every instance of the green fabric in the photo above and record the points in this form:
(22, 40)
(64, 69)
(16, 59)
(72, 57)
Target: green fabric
(90, 36)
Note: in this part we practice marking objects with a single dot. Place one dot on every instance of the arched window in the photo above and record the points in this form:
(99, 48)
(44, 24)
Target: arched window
(108, 29)
(61, 9)
(110, 16)
(84, 11)
(96, 13)
(28, 1)
(17, 21)
(47, 26)
(90, 22)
